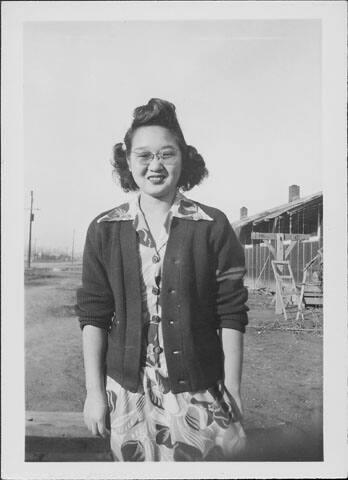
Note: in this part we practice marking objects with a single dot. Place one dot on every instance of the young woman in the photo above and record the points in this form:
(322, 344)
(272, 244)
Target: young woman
(162, 306)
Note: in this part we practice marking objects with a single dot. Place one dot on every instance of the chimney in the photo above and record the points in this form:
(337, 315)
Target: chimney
(294, 193)
(243, 213)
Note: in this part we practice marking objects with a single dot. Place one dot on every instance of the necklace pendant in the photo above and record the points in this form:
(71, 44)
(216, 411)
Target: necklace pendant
(155, 258)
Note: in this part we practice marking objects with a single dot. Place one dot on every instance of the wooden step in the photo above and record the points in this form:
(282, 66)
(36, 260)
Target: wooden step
(57, 424)
(62, 437)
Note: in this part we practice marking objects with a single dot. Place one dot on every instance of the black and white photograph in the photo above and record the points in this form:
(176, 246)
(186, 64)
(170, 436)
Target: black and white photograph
(175, 213)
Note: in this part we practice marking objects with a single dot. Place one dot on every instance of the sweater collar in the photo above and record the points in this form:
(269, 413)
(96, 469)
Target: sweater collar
(182, 208)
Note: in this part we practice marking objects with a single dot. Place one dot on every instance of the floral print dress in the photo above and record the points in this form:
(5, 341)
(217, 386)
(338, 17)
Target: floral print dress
(154, 424)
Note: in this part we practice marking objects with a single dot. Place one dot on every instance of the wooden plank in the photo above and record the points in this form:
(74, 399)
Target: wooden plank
(263, 236)
(282, 236)
(271, 248)
(62, 437)
(296, 236)
(66, 445)
(56, 424)
(284, 291)
(289, 249)
(313, 293)
(313, 288)
(279, 248)
(43, 449)
(315, 301)
(68, 457)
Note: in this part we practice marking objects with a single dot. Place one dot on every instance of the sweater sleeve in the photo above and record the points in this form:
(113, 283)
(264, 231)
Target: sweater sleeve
(95, 301)
(231, 294)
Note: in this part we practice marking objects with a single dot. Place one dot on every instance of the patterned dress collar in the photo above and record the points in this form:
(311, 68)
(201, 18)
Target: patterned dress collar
(188, 209)
(124, 212)
(182, 208)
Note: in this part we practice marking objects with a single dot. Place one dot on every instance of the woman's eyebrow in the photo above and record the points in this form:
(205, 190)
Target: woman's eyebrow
(140, 148)
(148, 148)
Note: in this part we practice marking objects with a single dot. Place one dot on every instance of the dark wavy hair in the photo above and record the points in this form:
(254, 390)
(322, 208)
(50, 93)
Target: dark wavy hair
(160, 113)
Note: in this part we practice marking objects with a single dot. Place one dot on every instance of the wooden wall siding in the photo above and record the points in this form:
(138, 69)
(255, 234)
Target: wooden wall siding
(256, 257)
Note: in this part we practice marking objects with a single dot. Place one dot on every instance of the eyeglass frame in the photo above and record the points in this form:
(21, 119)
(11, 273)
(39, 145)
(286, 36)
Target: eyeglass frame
(159, 155)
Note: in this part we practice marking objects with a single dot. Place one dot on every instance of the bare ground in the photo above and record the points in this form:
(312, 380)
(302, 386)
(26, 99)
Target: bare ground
(282, 376)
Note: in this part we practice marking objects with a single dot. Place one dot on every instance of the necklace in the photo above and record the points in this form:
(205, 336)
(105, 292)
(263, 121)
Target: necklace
(156, 258)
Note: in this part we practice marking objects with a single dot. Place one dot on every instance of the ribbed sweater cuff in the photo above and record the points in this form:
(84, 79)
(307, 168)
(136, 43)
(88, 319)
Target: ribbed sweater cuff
(100, 323)
(236, 321)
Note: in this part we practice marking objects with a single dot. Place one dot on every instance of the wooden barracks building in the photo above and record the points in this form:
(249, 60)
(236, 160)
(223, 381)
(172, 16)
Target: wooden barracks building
(292, 232)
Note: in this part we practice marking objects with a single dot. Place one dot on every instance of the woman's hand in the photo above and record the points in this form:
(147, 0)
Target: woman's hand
(95, 411)
(235, 401)
(96, 404)
(232, 342)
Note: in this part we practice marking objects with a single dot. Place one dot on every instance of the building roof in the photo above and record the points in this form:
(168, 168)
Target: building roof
(291, 207)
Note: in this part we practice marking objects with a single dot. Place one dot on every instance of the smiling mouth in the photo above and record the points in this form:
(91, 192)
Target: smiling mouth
(156, 178)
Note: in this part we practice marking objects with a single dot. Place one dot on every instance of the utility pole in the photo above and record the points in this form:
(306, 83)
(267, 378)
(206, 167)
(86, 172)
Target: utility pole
(72, 248)
(31, 219)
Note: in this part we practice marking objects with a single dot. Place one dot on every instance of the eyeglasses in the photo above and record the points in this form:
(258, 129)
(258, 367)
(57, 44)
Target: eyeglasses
(167, 157)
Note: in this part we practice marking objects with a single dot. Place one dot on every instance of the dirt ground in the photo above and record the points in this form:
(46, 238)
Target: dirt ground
(282, 375)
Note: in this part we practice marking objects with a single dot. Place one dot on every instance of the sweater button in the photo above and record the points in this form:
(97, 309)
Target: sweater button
(155, 319)
(171, 290)
(155, 290)
(171, 322)
(176, 352)
(155, 259)
(181, 382)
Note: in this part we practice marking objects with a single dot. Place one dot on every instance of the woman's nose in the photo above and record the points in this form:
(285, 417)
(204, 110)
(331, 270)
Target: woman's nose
(155, 164)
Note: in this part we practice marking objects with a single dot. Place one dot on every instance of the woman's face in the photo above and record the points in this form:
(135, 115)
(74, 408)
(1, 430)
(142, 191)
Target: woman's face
(155, 161)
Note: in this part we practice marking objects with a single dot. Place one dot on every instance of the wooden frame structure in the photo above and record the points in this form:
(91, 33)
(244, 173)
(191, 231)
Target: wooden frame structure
(318, 297)
(286, 289)
(280, 254)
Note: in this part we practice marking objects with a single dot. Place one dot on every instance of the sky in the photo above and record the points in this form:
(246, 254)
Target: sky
(247, 93)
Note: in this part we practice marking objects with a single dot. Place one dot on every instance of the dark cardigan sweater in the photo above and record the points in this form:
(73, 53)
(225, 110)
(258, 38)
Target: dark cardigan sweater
(202, 291)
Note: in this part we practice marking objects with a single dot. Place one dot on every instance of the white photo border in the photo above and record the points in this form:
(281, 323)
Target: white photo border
(333, 17)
